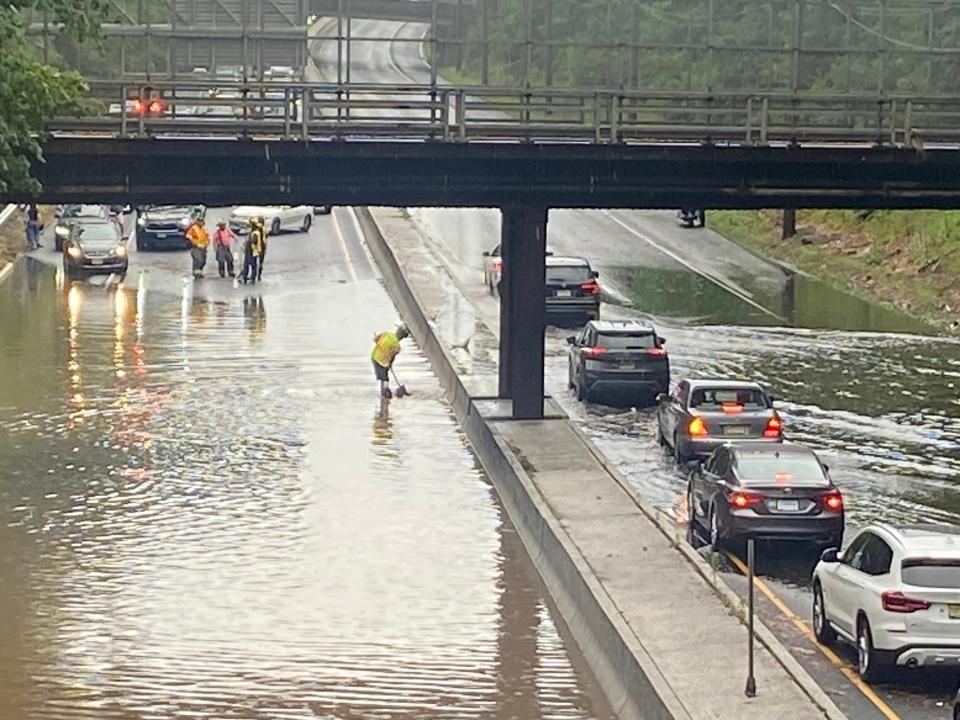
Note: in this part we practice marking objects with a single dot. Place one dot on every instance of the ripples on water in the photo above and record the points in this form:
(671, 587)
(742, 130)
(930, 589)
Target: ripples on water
(204, 513)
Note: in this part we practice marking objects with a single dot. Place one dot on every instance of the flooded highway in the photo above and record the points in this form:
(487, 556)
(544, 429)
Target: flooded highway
(205, 511)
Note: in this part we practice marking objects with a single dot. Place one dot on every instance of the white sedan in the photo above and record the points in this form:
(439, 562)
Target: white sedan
(895, 594)
(277, 218)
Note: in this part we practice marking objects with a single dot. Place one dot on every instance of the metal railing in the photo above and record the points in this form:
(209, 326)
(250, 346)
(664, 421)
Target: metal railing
(309, 111)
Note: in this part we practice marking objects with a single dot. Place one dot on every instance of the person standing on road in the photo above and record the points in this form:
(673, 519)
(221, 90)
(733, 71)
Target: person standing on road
(386, 347)
(223, 238)
(253, 249)
(199, 241)
(263, 247)
(33, 227)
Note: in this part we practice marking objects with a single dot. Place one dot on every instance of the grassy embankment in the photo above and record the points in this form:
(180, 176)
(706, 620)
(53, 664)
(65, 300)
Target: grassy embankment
(910, 259)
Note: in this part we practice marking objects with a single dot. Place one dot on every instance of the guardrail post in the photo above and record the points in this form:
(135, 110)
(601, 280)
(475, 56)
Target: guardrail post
(306, 109)
(615, 106)
(123, 111)
(764, 119)
(141, 130)
(461, 115)
(893, 122)
(597, 134)
(908, 124)
(286, 113)
(749, 136)
(445, 114)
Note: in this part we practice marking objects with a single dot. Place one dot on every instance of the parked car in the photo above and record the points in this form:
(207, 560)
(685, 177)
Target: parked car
(701, 415)
(95, 246)
(765, 491)
(276, 217)
(623, 359)
(68, 215)
(895, 594)
(165, 226)
(492, 269)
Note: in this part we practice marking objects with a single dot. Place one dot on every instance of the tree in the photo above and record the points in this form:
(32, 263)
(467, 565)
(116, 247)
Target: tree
(32, 93)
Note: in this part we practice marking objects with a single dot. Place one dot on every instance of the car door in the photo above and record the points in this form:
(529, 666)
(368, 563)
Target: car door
(586, 338)
(712, 480)
(844, 582)
(701, 481)
(673, 408)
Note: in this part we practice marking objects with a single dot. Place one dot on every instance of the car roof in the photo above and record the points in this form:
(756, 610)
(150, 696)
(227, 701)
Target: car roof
(553, 260)
(621, 326)
(720, 382)
(923, 537)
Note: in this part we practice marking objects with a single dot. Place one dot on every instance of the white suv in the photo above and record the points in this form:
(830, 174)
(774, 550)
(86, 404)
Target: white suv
(895, 594)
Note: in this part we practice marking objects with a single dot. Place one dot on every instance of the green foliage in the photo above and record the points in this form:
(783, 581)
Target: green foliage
(31, 93)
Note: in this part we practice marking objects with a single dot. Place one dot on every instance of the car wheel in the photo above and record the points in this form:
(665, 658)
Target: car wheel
(582, 394)
(868, 664)
(275, 227)
(717, 541)
(826, 635)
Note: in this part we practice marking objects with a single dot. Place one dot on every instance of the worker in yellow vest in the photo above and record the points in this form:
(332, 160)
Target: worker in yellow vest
(386, 347)
(199, 242)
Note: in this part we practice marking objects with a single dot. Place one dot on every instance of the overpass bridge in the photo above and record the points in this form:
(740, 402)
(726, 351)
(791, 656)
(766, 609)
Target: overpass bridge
(522, 151)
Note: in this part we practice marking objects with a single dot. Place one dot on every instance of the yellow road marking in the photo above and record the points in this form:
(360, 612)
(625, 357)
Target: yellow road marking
(343, 245)
(834, 659)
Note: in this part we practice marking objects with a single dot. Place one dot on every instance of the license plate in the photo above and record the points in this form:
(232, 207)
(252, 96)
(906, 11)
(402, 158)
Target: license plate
(161, 236)
(736, 430)
(788, 505)
(97, 261)
(954, 611)
(627, 366)
(564, 293)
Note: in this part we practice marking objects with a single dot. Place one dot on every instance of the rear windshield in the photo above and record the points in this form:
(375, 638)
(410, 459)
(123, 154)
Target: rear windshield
(98, 233)
(925, 572)
(567, 274)
(716, 398)
(621, 341)
(774, 467)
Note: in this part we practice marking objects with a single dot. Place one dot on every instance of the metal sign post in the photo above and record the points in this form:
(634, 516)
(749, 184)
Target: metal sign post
(751, 689)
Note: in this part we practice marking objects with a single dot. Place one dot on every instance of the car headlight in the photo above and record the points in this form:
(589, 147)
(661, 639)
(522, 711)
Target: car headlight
(120, 251)
(75, 252)
(61, 231)
(141, 221)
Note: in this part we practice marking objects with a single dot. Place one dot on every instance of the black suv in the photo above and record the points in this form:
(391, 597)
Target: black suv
(165, 226)
(572, 291)
(625, 360)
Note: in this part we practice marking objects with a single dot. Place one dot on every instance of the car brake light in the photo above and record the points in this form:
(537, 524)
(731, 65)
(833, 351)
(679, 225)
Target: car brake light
(732, 408)
(899, 603)
(744, 500)
(498, 265)
(156, 106)
(774, 428)
(594, 352)
(591, 287)
(834, 501)
(659, 352)
(697, 428)
(138, 107)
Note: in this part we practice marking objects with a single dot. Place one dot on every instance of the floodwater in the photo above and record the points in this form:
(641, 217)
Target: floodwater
(206, 513)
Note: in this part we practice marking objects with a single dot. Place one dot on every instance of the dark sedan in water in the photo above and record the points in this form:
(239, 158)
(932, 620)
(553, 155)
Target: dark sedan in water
(95, 246)
(765, 491)
(701, 415)
(624, 360)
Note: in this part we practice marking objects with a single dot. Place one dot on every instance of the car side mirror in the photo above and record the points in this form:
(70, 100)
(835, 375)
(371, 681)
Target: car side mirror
(548, 253)
(486, 253)
(572, 340)
(772, 399)
(662, 340)
(594, 274)
(830, 555)
(826, 468)
(661, 397)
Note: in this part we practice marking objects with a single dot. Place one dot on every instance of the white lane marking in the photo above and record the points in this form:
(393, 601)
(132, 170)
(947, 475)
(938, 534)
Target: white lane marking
(343, 246)
(669, 253)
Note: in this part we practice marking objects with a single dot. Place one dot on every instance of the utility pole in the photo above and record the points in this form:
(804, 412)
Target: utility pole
(789, 225)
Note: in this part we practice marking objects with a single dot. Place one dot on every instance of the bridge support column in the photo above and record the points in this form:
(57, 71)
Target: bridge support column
(523, 246)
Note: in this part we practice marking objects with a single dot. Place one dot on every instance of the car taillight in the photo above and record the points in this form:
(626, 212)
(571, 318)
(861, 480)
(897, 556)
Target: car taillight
(744, 500)
(834, 501)
(594, 352)
(899, 603)
(732, 408)
(138, 107)
(774, 428)
(591, 287)
(156, 107)
(659, 352)
(697, 428)
(498, 265)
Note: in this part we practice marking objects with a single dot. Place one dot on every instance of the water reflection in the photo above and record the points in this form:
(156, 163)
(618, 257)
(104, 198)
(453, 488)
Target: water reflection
(199, 518)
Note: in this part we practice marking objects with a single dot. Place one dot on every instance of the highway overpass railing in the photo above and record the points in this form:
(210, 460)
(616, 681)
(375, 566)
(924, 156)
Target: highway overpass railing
(314, 111)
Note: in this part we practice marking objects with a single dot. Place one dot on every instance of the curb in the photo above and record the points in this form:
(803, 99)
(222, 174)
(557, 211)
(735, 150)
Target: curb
(5, 215)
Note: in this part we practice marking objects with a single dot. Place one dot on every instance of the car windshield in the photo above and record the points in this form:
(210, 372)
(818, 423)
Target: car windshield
(717, 398)
(787, 468)
(98, 233)
(568, 274)
(624, 341)
(927, 572)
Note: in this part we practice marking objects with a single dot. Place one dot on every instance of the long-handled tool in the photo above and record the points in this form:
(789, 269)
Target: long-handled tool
(401, 389)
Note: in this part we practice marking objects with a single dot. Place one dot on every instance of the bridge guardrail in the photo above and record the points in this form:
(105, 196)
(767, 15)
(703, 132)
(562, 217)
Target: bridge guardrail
(305, 111)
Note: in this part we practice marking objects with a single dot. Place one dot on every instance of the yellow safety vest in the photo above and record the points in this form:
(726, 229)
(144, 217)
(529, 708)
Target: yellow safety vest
(386, 348)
